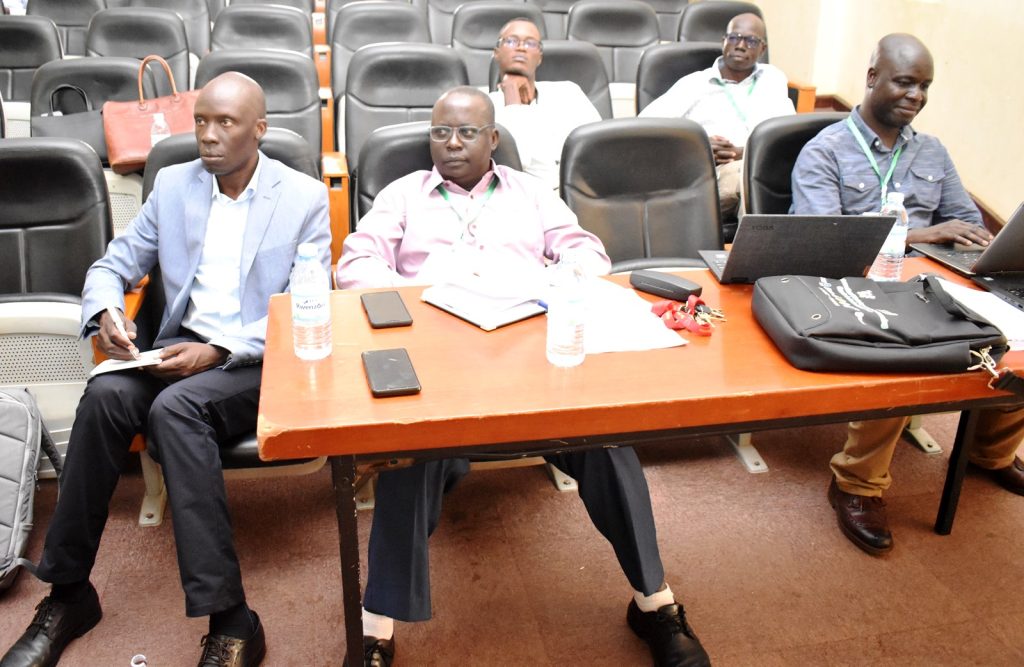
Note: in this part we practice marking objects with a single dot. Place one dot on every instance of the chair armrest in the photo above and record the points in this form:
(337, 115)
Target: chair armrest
(322, 58)
(803, 96)
(320, 23)
(334, 168)
(132, 304)
(326, 120)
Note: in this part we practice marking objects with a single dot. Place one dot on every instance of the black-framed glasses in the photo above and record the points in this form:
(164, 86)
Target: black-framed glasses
(513, 42)
(467, 133)
(752, 41)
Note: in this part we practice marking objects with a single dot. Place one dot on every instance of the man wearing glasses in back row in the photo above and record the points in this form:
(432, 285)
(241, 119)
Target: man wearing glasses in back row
(470, 213)
(728, 100)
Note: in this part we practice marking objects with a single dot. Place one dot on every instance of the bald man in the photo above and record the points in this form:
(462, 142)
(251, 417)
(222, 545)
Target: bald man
(469, 210)
(728, 100)
(224, 229)
(847, 169)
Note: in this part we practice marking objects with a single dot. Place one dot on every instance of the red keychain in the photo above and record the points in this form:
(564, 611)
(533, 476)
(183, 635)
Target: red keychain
(676, 316)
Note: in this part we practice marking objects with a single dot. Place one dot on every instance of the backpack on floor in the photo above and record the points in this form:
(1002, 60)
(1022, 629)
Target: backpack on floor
(22, 436)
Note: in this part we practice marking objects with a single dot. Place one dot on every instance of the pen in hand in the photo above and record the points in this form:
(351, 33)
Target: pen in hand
(116, 317)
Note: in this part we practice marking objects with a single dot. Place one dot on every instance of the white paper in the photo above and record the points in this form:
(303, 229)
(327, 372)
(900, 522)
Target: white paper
(1002, 315)
(619, 320)
(150, 358)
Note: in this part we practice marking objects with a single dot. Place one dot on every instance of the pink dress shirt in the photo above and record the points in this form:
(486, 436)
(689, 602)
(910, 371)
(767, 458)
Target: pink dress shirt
(523, 221)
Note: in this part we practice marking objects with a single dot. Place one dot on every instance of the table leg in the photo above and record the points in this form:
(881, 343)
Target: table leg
(955, 472)
(343, 473)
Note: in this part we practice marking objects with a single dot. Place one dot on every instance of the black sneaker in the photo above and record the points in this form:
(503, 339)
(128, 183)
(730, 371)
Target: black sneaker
(376, 652)
(54, 626)
(668, 635)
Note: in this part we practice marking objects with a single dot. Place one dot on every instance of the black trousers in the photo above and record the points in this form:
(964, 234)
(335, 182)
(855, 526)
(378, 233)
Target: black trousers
(408, 506)
(183, 423)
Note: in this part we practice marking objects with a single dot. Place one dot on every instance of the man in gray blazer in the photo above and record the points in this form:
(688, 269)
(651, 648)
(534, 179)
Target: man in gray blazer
(224, 230)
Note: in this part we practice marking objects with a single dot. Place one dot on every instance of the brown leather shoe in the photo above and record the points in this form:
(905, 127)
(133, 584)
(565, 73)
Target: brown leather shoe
(1010, 478)
(862, 519)
(225, 651)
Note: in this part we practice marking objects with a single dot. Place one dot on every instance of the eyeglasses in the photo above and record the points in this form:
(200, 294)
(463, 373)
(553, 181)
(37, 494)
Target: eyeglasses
(467, 133)
(513, 42)
(752, 41)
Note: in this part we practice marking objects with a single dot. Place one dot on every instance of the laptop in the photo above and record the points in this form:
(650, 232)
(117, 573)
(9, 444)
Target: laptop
(1007, 286)
(1003, 254)
(831, 246)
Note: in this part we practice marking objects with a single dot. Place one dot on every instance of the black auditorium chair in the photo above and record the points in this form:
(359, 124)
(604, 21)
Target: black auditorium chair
(579, 62)
(395, 83)
(669, 13)
(307, 6)
(440, 14)
(396, 150)
(265, 27)
(706, 21)
(136, 32)
(215, 7)
(289, 82)
(71, 17)
(556, 16)
(239, 457)
(195, 14)
(769, 156)
(475, 28)
(26, 42)
(55, 223)
(334, 7)
(662, 65)
(646, 187)
(3, 119)
(620, 31)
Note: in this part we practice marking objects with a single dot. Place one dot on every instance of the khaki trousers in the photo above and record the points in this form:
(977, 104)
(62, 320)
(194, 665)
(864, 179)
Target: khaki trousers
(862, 468)
(730, 183)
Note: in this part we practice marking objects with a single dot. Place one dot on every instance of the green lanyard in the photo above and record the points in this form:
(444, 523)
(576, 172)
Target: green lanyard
(884, 182)
(732, 101)
(469, 222)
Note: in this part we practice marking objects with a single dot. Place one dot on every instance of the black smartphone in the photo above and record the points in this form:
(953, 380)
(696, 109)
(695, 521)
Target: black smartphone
(390, 372)
(385, 309)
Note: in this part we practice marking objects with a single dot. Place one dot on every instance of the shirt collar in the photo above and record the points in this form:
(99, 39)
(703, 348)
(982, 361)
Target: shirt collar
(250, 190)
(871, 137)
(436, 179)
(716, 72)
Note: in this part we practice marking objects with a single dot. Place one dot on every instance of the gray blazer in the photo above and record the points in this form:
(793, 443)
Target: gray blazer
(289, 208)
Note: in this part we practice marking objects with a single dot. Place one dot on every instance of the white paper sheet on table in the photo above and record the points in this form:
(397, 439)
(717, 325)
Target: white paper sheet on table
(619, 320)
(1002, 315)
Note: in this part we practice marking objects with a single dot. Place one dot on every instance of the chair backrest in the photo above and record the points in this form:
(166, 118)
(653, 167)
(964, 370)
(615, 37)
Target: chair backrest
(556, 16)
(441, 13)
(278, 143)
(395, 83)
(475, 28)
(265, 27)
(137, 32)
(26, 42)
(72, 19)
(195, 14)
(216, 7)
(645, 186)
(620, 31)
(359, 24)
(769, 156)
(289, 82)
(307, 6)
(707, 21)
(669, 13)
(662, 65)
(396, 150)
(579, 62)
(56, 217)
(3, 119)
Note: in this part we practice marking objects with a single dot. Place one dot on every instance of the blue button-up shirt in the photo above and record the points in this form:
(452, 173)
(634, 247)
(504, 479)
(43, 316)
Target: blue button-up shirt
(833, 176)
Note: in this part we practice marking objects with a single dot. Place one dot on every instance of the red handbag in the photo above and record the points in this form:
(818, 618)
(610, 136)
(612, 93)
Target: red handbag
(128, 126)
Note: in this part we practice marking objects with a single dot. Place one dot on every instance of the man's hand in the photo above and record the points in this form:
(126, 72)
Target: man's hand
(111, 342)
(184, 359)
(724, 150)
(951, 231)
(516, 88)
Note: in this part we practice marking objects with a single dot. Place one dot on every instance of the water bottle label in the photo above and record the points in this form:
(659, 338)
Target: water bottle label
(310, 309)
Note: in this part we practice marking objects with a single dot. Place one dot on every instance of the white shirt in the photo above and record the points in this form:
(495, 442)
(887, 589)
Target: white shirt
(214, 307)
(540, 128)
(725, 108)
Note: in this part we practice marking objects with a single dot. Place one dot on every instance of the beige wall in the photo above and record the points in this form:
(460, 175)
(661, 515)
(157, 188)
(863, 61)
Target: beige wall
(976, 101)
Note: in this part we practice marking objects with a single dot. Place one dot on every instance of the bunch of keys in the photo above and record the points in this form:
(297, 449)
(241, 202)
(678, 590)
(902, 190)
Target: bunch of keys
(694, 316)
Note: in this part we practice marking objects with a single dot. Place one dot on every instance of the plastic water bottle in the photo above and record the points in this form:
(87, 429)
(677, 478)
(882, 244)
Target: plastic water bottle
(888, 265)
(566, 314)
(311, 305)
(160, 129)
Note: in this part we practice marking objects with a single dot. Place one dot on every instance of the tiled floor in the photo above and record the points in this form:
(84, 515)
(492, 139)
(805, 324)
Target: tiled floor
(520, 577)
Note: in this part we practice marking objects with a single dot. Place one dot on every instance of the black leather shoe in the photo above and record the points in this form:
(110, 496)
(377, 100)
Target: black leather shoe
(862, 519)
(668, 635)
(54, 626)
(1010, 478)
(376, 652)
(225, 651)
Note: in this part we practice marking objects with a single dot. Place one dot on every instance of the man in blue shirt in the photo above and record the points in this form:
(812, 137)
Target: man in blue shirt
(847, 169)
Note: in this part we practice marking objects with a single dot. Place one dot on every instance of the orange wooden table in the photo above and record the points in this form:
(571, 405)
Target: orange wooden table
(495, 392)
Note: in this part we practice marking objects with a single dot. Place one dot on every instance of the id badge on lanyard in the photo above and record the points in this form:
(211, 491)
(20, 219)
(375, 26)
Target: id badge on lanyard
(884, 182)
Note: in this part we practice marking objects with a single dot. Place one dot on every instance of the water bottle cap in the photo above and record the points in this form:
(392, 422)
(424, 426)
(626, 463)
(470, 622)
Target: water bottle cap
(307, 250)
(894, 198)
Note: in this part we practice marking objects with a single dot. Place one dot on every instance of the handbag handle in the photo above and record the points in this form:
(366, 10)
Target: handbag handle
(68, 86)
(170, 77)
